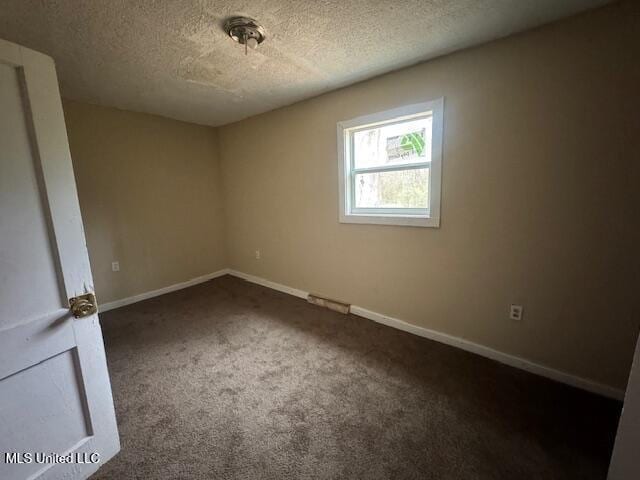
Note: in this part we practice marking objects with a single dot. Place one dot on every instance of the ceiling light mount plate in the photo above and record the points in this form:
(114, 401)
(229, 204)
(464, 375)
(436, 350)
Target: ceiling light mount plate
(245, 31)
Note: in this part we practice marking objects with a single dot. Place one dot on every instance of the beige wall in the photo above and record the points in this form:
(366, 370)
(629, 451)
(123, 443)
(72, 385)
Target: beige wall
(150, 198)
(539, 201)
(540, 152)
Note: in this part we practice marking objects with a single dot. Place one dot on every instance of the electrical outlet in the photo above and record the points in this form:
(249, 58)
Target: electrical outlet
(258, 255)
(115, 266)
(515, 312)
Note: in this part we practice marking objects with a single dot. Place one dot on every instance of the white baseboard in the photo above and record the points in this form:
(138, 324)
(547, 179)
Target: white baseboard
(487, 352)
(507, 359)
(269, 284)
(105, 307)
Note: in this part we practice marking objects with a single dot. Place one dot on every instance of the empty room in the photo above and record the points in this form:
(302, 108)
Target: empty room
(298, 239)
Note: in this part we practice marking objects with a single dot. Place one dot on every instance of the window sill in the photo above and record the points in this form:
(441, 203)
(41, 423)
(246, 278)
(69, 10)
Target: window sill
(398, 220)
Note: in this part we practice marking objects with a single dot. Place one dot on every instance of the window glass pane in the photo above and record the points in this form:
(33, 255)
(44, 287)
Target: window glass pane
(396, 143)
(399, 189)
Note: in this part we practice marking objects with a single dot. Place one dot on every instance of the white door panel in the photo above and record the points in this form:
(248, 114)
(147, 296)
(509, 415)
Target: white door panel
(47, 390)
(23, 222)
(625, 464)
(55, 395)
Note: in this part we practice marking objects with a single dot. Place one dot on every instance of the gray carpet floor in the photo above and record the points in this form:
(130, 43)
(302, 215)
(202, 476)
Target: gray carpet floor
(230, 380)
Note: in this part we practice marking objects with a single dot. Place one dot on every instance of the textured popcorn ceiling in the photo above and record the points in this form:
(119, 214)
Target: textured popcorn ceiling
(171, 57)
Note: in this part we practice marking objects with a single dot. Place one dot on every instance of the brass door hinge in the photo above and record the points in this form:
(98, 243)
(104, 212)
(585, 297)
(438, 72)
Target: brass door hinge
(83, 305)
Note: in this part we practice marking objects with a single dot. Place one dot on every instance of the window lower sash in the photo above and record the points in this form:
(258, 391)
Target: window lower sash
(390, 168)
(392, 212)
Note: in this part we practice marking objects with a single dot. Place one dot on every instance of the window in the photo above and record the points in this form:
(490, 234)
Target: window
(390, 166)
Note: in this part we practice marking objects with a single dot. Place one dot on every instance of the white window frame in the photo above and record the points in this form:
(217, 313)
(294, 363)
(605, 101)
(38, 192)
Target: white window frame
(392, 216)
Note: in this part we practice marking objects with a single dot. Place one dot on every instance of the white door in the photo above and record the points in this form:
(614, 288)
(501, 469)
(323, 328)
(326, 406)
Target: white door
(55, 397)
(625, 464)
